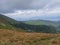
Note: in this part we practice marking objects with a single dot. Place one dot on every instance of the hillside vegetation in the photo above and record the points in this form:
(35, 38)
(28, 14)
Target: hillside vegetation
(40, 22)
(8, 23)
(38, 25)
(29, 26)
(10, 37)
(5, 22)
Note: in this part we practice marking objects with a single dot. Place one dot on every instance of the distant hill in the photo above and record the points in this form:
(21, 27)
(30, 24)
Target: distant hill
(30, 26)
(40, 22)
(39, 26)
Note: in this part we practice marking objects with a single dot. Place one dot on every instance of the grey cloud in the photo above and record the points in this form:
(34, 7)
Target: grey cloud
(12, 5)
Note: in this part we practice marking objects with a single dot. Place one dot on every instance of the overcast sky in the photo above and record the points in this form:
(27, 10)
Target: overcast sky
(31, 9)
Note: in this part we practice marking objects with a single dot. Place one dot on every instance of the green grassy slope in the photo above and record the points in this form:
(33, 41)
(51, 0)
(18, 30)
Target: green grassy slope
(9, 23)
(40, 22)
(5, 22)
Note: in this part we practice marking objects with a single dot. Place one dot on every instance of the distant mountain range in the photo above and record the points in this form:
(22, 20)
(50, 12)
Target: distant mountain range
(30, 26)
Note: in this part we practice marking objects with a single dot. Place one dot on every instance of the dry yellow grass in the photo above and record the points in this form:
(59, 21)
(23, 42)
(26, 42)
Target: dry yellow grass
(9, 37)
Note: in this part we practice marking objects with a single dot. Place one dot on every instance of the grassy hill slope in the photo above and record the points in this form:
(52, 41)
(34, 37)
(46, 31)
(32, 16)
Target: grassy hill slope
(41, 22)
(5, 22)
(10, 37)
